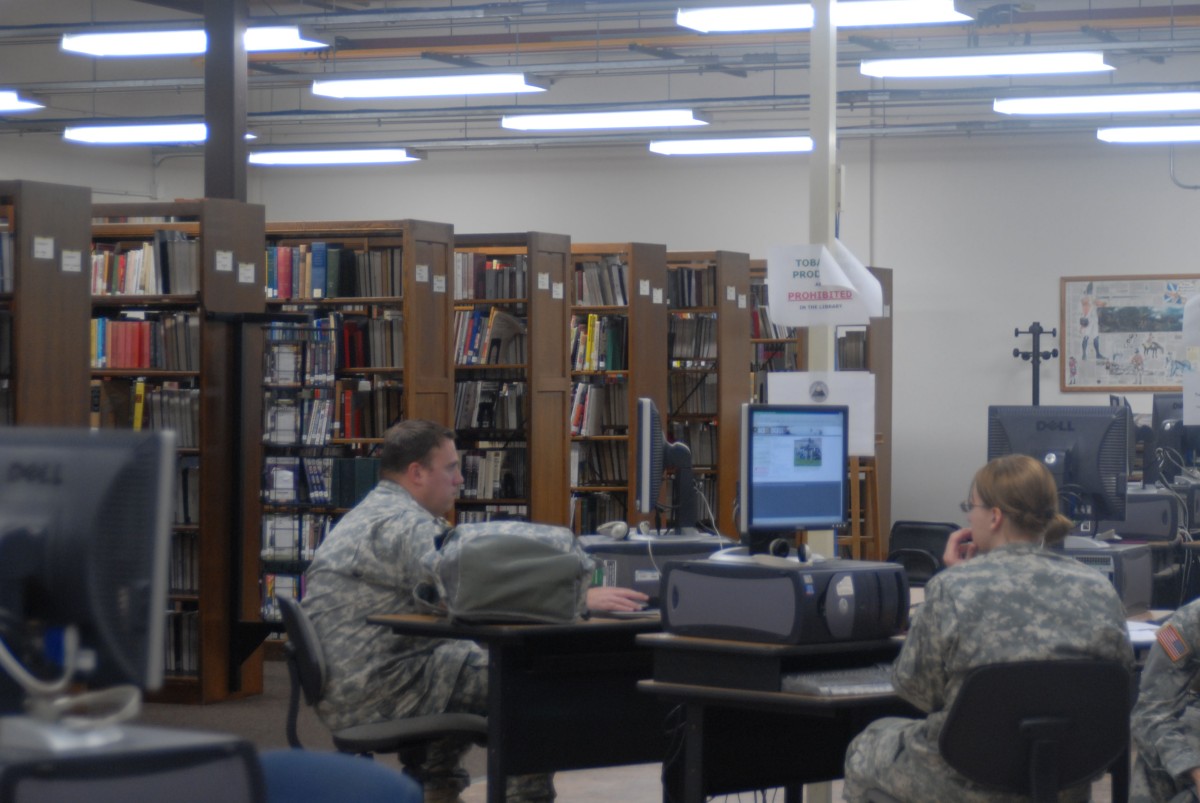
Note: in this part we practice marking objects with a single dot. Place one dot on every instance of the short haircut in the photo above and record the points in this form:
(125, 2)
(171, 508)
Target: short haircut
(410, 442)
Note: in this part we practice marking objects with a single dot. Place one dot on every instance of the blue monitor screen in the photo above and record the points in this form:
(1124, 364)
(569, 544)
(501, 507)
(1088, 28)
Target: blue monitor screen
(794, 464)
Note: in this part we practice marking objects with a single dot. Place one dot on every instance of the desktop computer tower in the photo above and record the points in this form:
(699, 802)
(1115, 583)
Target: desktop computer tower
(1127, 566)
(640, 562)
(1151, 514)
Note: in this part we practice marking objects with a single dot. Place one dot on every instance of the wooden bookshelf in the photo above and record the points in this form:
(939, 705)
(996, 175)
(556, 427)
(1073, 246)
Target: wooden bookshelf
(45, 230)
(531, 273)
(204, 666)
(709, 296)
(604, 465)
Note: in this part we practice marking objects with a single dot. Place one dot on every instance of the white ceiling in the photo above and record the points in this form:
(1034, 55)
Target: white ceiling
(597, 53)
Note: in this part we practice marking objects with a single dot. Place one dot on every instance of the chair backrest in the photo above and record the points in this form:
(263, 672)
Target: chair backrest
(1034, 727)
(918, 547)
(304, 650)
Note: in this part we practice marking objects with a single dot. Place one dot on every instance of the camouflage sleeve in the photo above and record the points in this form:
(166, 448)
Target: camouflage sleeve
(1160, 724)
(919, 674)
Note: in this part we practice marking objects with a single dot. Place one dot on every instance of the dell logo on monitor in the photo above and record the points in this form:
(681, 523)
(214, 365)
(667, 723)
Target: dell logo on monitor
(37, 473)
(1055, 426)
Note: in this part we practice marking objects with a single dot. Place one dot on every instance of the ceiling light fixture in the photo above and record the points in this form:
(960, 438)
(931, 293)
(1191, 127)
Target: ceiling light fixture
(654, 118)
(1101, 104)
(9, 102)
(800, 16)
(345, 156)
(428, 86)
(1135, 135)
(154, 134)
(986, 65)
(737, 145)
(182, 43)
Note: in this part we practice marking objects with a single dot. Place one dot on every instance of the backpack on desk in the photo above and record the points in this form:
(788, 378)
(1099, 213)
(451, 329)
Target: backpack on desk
(507, 571)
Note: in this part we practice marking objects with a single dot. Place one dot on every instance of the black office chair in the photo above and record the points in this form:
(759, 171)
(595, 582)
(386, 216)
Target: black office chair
(918, 547)
(1036, 727)
(408, 737)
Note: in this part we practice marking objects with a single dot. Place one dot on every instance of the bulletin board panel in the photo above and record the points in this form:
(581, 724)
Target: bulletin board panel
(1124, 333)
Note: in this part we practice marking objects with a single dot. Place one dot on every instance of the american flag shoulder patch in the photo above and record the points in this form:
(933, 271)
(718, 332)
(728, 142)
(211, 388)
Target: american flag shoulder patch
(1172, 643)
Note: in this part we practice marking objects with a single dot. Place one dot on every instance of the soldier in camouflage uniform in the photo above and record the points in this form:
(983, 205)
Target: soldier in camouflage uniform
(1166, 719)
(369, 564)
(1015, 601)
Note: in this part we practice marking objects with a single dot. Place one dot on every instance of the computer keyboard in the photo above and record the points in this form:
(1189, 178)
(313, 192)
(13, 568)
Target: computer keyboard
(849, 682)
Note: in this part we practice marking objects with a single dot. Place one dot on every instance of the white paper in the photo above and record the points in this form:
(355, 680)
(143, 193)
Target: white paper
(730, 292)
(72, 261)
(423, 273)
(43, 248)
(808, 285)
(543, 280)
(224, 262)
(853, 389)
(557, 291)
(245, 273)
(644, 287)
(657, 296)
(439, 284)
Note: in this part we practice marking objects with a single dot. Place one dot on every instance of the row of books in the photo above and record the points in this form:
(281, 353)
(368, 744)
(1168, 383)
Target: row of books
(491, 472)
(338, 482)
(692, 337)
(601, 283)
(488, 336)
(782, 356)
(489, 404)
(690, 287)
(298, 419)
(181, 646)
(300, 354)
(167, 265)
(376, 342)
(590, 510)
(599, 463)
(7, 268)
(367, 409)
(692, 393)
(119, 403)
(761, 325)
(167, 341)
(599, 342)
(478, 276)
(325, 270)
(275, 585)
(187, 490)
(475, 515)
(599, 408)
(293, 536)
(701, 437)
(6, 401)
(183, 575)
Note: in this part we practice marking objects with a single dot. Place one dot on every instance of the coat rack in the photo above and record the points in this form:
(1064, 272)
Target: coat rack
(1036, 355)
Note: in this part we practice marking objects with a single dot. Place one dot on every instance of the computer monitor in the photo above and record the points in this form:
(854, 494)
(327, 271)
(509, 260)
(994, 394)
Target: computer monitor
(1085, 448)
(654, 455)
(84, 544)
(1173, 445)
(794, 470)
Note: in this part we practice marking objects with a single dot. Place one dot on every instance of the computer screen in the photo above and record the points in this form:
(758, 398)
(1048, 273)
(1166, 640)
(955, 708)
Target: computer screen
(84, 543)
(654, 455)
(794, 470)
(1085, 448)
(1173, 445)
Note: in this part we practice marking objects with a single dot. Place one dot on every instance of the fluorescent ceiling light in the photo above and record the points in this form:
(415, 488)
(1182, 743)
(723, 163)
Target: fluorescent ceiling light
(800, 16)
(426, 86)
(181, 43)
(334, 157)
(137, 134)
(1150, 134)
(9, 102)
(996, 64)
(1101, 104)
(705, 147)
(655, 118)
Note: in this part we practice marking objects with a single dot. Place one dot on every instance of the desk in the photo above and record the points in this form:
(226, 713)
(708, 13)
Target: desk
(560, 697)
(738, 739)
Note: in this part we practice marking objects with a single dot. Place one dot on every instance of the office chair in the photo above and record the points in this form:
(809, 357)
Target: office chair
(1036, 727)
(408, 737)
(918, 547)
(300, 776)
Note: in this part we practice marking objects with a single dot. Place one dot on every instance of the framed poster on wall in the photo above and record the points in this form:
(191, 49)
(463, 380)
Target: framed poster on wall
(1123, 333)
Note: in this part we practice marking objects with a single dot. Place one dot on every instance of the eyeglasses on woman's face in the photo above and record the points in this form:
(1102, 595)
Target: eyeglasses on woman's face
(967, 506)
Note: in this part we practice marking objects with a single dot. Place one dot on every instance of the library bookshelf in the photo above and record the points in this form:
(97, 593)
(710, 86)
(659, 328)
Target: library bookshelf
(708, 295)
(165, 353)
(618, 333)
(512, 375)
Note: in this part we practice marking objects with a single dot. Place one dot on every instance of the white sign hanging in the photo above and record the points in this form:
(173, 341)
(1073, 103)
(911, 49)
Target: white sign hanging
(808, 285)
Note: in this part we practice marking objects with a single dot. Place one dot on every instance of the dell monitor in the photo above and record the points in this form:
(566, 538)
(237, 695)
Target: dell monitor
(654, 455)
(1173, 444)
(1085, 448)
(85, 522)
(794, 474)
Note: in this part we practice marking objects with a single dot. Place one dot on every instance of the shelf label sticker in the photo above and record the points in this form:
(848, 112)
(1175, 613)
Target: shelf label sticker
(72, 261)
(730, 292)
(43, 248)
(439, 283)
(557, 292)
(423, 274)
(657, 298)
(643, 287)
(742, 301)
(224, 262)
(245, 273)
(543, 280)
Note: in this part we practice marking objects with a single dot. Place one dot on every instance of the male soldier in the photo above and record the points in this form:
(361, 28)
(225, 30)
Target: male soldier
(369, 564)
(1166, 719)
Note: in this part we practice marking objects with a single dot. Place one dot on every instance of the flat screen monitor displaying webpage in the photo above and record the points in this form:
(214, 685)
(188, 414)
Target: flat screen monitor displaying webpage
(794, 465)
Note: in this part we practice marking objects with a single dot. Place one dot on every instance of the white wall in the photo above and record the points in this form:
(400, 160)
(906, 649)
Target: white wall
(978, 232)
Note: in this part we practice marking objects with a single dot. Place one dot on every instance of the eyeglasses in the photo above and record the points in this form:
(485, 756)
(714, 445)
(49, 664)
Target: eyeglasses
(966, 507)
